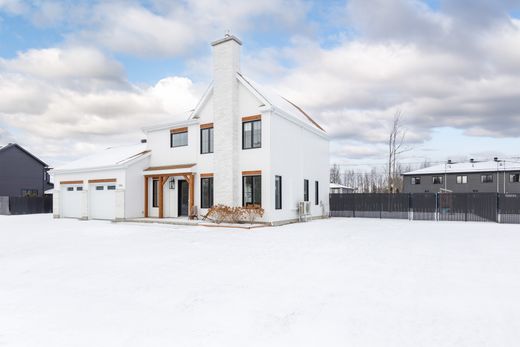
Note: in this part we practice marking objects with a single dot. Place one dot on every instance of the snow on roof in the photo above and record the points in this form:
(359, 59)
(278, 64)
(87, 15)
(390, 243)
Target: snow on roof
(468, 167)
(282, 103)
(112, 156)
(336, 185)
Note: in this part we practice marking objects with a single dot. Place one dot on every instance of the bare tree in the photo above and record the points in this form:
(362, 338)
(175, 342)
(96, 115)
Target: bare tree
(396, 147)
(335, 175)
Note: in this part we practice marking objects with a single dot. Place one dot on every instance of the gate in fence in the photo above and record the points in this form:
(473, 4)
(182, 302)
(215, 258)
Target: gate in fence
(476, 207)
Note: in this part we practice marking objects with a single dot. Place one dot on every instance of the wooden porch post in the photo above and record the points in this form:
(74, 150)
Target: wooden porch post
(192, 194)
(161, 204)
(146, 196)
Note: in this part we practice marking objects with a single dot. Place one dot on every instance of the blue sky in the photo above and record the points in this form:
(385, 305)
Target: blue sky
(82, 75)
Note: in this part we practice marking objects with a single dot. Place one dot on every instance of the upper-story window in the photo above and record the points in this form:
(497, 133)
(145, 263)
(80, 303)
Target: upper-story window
(463, 179)
(514, 178)
(437, 179)
(486, 178)
(179, 137)
(416, 180)
(206, 138)
(251, 132)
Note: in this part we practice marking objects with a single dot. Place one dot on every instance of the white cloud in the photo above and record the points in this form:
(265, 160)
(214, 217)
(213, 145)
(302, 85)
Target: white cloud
(60, 104)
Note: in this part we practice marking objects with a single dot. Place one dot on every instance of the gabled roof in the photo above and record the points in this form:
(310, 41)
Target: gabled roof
(110, 157)
(15, 145)
(279, 102)
(483, 166)
(268, 98)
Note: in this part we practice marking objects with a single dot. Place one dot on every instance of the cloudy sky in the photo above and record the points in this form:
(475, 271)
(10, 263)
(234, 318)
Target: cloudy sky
(77, 76)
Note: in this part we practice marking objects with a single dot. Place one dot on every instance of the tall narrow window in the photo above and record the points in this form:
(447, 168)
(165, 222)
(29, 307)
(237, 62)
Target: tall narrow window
(155, 193)
(305, 190)
(278, 192)
(206, 192)
(252, 190)
(179, 137)
(316, 193)
(252, 134)
(206, 140)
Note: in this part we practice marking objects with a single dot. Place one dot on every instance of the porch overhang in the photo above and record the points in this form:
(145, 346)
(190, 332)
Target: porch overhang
(170, 170)
(163, 174)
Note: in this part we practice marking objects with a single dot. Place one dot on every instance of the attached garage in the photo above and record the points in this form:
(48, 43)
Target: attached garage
(102, 199)
(107, 185)
(71, 199)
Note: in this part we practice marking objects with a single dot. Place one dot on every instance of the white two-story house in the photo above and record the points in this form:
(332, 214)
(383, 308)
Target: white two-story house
(241, 145)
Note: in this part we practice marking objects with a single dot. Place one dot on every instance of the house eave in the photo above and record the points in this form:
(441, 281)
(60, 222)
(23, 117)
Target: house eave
(164, 126)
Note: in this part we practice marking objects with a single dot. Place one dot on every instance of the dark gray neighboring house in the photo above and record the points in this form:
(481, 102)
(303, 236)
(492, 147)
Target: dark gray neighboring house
(21, 173)
(496, 176)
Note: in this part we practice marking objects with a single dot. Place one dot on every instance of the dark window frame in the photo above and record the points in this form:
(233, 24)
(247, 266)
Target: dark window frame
(305, 190)
(514, 178)
(278, 193)
(155, 193)
(178, 133)
(253, 190)
(210, 193)
(486, 178)
(211, 137)
(251, 145)
(316, 192)
(416, 180)
(462, 179)
(440, 179)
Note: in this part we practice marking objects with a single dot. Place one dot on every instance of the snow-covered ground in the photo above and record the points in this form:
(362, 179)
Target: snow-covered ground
(337, 282)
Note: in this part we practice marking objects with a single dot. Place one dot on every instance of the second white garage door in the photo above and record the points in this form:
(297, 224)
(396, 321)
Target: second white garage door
(102, 201)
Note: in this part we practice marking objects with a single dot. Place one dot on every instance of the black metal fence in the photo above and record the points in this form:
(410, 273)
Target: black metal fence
(30, 205)
(476, 207)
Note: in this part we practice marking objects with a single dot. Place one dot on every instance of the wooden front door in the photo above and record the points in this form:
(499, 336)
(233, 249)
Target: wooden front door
(183, 197)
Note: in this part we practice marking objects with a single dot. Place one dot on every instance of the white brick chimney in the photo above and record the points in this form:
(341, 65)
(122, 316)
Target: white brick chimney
(226, 63)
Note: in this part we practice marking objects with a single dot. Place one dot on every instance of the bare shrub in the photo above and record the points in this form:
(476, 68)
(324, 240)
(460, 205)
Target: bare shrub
(252, 212)
(218, 213)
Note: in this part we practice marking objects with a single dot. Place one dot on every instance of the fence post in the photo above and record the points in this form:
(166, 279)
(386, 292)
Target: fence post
(499, 214)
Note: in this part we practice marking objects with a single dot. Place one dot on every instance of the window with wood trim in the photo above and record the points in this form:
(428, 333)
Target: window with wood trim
(155, 193)
(206, 192)
(252, 134)
(206, 140)
(278, 192)
(252, 190)
(179, 138)
(305, 190)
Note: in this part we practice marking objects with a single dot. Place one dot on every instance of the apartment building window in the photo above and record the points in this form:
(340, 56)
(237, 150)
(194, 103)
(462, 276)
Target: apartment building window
(155, 193)
(514, 178)
(29, 193)
(179, 137)
(251, 133)
(305, 190)
(278, 192)
(206, 139)
(206, 192)
(486, 178)
(438, 179)
(416, 180)
(316, 193)
(252, 190)
(462, 179)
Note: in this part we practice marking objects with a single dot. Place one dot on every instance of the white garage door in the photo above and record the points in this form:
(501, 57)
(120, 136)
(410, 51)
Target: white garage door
(71, 201)
(102, 201)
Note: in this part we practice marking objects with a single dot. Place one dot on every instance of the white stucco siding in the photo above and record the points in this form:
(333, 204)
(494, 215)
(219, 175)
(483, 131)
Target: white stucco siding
(297, 154)
(163, 154)
(249, 104)
(134, 189)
